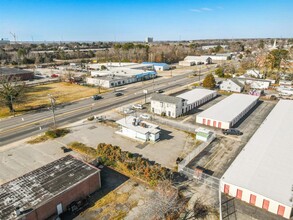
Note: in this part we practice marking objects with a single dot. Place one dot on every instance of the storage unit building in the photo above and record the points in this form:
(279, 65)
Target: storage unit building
(226, 113)
(47, 192)
(262, 173)
(174, 106)
(197, 97)
(134, 127)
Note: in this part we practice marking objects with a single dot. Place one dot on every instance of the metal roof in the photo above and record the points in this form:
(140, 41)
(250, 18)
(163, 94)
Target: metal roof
(234, 80)
(195, 95)
(166, 98)
(41, 185)
(265, 164)
(229, 108)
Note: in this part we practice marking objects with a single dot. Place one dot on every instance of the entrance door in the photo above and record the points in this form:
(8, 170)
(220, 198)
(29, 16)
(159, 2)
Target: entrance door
(281, 210)
(215, 124)
(252, 199)
(204, 121)
(219, 124)
(239, 194)
(266, 204)
(209, 122)
(226, 189)
(59, 209)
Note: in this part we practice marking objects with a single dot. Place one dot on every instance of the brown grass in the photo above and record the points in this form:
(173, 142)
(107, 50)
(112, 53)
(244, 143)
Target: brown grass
(37, 96)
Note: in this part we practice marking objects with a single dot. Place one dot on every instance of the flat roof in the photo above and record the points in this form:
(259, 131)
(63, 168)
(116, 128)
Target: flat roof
(43, 184)
(127, 122)
(265, 164)
(195, 95)
(155, 64)
(4, 70)
(229, 108)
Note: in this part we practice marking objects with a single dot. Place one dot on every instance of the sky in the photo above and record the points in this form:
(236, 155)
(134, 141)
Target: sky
(134, 20)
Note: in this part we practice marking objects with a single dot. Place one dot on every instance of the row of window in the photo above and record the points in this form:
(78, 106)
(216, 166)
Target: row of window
(252, 200)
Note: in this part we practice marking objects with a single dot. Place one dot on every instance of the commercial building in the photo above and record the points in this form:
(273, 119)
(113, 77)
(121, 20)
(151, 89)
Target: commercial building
(231, 85)
(46, 192)
(149, 39)
(4, 41)
(19, 73)
(226, 113)
(159, 66)
(135, 128)
(196, 60)
(255, 83)
(262, 174)
(172, 106)
(119, 76)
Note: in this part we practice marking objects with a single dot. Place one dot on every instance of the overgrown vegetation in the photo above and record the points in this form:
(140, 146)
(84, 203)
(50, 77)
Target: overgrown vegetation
(131, 164)
(50, 134)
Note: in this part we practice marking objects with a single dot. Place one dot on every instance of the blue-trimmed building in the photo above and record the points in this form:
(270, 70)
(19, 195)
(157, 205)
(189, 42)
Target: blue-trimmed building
(159, 66)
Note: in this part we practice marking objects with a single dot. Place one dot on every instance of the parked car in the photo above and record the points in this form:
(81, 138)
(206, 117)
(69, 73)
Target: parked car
(145, 116)
(232, 131)
(96, 97)
(160, 91)
(137, 106)
(119, 94)
(128, 111)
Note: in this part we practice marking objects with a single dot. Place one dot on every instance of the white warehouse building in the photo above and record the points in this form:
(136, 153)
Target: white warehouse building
(226, 113)
(135, 128)
(262, 174)
(173, 106)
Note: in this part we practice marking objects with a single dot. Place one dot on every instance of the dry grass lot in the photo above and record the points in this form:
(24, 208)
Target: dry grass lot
(37, 96)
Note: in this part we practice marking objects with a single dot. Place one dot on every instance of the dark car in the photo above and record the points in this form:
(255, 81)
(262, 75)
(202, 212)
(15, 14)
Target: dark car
(232, 131)
(160, 91)
(96, 97)
(118, 94)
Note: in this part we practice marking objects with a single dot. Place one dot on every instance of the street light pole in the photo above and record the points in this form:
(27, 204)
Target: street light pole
(52, 100)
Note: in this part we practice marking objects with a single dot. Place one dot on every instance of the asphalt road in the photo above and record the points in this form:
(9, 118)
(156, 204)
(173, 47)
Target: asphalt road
(20, 127)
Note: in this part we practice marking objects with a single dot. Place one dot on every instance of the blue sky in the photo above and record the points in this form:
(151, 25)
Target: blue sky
(128, 20)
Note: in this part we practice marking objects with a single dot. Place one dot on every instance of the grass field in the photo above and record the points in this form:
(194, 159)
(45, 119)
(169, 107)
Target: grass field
(36, 97)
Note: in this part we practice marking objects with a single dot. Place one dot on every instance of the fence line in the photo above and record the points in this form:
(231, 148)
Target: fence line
(194, 153)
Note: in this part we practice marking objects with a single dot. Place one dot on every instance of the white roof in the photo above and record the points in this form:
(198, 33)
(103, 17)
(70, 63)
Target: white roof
(195, 95)
(127, 122)
(229, 108)
(265, 164)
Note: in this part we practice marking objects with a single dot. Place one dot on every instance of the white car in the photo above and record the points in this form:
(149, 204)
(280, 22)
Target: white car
(137, 106)
(128, 111)
(145, 116)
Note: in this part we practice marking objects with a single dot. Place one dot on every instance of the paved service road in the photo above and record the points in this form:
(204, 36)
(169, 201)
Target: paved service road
(33, 123)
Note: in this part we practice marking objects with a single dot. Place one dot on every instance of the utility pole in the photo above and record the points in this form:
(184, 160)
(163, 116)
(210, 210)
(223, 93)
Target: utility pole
(53, 101)
(11, 100)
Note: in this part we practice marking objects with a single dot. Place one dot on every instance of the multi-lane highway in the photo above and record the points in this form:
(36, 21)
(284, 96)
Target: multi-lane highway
(19, 127)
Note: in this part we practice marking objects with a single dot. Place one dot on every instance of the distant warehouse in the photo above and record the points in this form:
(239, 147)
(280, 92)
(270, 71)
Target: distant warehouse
(47, 192)
(227, 112)
(262, 173)
(19, 73)
(159, 66)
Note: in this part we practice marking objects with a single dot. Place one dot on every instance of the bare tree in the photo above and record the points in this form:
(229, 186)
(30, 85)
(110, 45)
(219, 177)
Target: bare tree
(11, 90)
(165, 202)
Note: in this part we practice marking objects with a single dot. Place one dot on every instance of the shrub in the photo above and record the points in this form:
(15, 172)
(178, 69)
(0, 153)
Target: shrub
(55, 133)
(91, 118)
